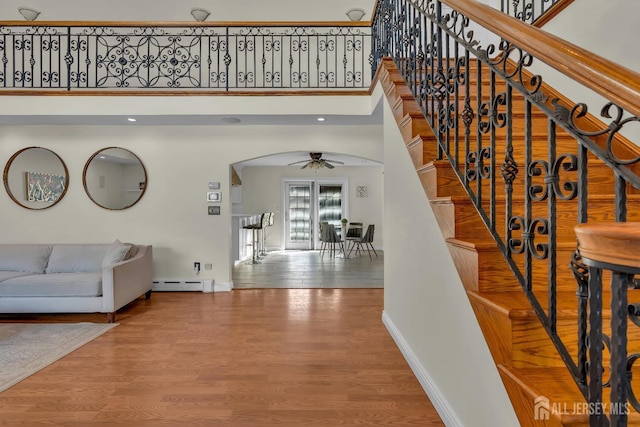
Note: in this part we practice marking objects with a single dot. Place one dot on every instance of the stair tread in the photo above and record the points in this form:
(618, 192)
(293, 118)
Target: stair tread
(557, 385)
(488, 244)
(517, 306)
(463, 199)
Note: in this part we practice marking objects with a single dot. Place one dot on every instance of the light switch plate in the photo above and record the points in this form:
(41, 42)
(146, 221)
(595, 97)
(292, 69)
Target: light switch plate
(213, 210)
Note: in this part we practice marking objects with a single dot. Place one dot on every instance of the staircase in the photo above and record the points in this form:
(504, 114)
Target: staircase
(535, 376)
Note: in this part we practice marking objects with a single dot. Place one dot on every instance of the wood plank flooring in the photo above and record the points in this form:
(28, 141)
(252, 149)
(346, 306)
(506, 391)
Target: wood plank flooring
(307, 269)
(251, 357)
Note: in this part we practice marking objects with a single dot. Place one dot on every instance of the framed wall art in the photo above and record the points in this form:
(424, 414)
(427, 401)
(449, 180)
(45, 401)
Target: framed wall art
(44, 187)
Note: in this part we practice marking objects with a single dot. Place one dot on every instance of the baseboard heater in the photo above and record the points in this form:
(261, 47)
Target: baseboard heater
(178, 285)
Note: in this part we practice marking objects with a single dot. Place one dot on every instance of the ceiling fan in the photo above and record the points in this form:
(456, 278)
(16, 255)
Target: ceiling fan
(317, 162)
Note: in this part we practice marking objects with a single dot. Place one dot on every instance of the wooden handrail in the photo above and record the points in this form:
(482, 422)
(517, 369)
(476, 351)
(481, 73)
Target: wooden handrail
(609, 79)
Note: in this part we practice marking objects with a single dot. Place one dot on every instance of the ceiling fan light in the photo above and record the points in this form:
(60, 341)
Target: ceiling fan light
(355, 14)
(28, 14)
(200, 14)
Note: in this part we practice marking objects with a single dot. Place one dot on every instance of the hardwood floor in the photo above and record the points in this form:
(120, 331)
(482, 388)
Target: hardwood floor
(251, 357)
(307, 269)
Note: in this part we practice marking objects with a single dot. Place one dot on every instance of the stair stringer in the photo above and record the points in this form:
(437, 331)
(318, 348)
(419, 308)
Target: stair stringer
(414, 127)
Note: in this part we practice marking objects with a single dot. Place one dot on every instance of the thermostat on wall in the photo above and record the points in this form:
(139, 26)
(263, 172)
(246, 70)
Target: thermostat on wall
(214, 196)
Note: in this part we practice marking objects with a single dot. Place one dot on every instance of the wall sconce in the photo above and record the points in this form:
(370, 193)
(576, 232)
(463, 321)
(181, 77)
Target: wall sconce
(355, 14)
(28, 14)
(199, 14)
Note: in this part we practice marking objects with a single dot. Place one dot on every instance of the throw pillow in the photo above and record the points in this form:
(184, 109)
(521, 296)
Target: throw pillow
(131, 252)
(25, 257)
(115, 253)
(75, 258)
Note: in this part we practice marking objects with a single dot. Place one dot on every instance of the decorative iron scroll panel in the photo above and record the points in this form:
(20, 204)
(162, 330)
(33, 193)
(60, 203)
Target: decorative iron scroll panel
(527, 10)
(212, 58)
(532, 166)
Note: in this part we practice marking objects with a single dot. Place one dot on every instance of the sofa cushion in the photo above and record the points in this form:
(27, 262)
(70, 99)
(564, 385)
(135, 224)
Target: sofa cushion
(24, 257)
(4, 275)
(76, 258)
(116, 252)
(53, 285)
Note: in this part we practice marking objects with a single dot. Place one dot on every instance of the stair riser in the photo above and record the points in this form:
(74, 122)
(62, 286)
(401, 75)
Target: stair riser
(468, 224)
(405, 105)
(412, 126)
(486, 270)
(523, 342)
(533, 348)
(422, 151)
(441, 181)
(482, 270)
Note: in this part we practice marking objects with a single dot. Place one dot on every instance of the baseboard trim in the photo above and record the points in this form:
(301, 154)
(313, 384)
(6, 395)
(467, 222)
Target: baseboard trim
(222, 287)
(177, 285)
(439, 402)
(207, 285)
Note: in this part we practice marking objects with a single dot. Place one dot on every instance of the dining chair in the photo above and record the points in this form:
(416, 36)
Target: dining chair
(332, 239)
(366, 240)
(354, 232)
(324, 238)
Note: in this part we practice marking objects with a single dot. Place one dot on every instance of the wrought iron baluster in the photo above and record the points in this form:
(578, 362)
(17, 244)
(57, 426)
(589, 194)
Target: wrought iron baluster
(550, 180)
(621, 198)
(595, 344)
(68, 58)
(467, 112)
(528, 160)
(495, 122)
(456, 104)
(227, 60)
(580, 271)
(620, 377)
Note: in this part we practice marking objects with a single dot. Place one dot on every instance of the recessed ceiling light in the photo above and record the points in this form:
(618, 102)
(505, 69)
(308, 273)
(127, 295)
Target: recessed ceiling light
(131, 119)
(321, 119)
(102, 157)
(229, 119)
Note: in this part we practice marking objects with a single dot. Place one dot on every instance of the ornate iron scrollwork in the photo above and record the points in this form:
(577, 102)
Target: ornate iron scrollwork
(529, 230)
(609, 111)
(509, 168)
(567, 162)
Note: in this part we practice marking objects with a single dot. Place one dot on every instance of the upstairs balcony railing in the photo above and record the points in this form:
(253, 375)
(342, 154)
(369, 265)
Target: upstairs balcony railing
(532, 165)
(528, 11)
(176, 57)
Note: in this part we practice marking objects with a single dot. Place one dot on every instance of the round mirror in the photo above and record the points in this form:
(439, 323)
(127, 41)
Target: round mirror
(114, 178)
(36, 178)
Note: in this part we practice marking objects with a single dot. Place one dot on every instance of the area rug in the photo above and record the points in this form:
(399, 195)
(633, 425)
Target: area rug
(26, 348)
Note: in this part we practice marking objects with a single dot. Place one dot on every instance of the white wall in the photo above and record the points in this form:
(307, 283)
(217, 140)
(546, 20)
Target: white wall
(262, 192)
(171, 10)
(608, 29)
(425, 305)
(180, 161)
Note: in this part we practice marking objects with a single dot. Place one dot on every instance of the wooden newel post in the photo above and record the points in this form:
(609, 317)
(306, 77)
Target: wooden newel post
(614, 247)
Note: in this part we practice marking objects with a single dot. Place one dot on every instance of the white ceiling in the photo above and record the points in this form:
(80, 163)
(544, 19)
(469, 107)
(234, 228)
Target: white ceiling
(284, 159)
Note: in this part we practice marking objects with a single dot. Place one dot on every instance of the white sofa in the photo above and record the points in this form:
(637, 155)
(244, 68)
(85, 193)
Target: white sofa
(73, 278)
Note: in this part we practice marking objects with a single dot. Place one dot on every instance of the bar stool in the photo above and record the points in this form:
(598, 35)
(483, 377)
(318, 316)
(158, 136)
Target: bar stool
(267, 221)
(255, 238)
